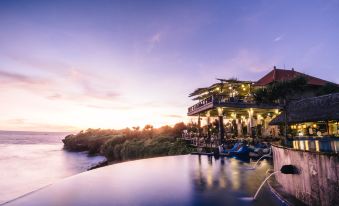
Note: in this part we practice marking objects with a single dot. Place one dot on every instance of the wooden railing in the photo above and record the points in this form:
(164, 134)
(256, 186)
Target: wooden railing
(201, 103)
(220, 99)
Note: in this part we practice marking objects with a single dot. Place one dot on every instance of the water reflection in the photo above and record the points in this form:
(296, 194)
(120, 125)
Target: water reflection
(316, 145)
(227, 179)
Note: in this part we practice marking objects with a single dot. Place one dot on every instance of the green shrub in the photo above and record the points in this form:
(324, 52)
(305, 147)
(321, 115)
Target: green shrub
(126, 144)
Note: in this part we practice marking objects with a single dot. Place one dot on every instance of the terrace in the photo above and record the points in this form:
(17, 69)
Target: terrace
(226, 101)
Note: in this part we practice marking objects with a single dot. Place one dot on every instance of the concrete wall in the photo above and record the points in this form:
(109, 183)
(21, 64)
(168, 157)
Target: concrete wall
(318, 181)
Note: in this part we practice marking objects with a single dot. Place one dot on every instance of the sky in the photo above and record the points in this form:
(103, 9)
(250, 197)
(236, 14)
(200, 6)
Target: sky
(71, 65)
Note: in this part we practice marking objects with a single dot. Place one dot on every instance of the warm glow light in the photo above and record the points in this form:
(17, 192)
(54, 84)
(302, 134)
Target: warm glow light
(306, 145)
(295, 145)
(220, 111)
(317, 146)
(302, 147)
(209, 176)
(250, 111)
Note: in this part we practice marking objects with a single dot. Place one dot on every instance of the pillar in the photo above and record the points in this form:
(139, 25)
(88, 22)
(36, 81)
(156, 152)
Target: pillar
(199, 124)
(239, 127)
(221, 125)
(208, 121)
(250, 122)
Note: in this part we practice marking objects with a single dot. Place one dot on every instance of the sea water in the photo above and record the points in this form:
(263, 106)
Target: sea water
(32, 160)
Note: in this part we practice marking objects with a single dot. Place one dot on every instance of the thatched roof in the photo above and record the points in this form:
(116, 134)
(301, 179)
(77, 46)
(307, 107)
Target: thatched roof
(204, 92)
(319, 108)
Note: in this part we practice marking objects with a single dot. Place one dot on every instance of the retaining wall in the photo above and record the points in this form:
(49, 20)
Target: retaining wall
(318, 180)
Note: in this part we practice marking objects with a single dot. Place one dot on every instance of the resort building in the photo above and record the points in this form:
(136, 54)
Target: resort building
(315, 116)
(227, 109)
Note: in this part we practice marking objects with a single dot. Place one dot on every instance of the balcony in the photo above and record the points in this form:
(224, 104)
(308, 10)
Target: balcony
(226, 101)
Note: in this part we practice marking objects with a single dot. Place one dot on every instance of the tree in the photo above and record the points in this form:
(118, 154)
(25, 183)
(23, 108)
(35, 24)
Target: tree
(178, 128)
(282, 93)
(148, 130)
(136, 128)
(328, 88)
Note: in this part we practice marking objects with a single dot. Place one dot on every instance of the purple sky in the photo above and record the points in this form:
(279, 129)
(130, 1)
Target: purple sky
(68, 65)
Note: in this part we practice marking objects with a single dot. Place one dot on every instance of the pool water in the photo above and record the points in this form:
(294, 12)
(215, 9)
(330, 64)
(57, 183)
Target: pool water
(173, 180)
(324, 144)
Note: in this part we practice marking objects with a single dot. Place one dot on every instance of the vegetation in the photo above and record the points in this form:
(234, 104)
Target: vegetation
(328, 88)
(129, 144)
(282, 91)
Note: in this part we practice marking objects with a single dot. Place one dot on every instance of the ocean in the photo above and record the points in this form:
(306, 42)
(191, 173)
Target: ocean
(32, 160)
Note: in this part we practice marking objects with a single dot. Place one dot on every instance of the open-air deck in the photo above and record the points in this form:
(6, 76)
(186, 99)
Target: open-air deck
(215, 101)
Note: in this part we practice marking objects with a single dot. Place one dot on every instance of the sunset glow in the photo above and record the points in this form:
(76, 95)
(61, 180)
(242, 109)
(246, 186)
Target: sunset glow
(67, 66)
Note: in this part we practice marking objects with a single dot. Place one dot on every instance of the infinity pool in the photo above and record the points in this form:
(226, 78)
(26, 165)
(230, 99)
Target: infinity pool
(325, 144)
(174, 180)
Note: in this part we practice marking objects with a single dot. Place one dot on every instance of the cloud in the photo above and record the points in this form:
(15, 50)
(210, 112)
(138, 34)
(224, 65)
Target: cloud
(279, 38)
(173, 116)
(73, 85)
(54, 96)
(154, 40)
(16, 121)
(11, 77)
(105, 107)
(28, 125)
(61, 78)
(93, 86)
(44, 64)
(249, 61)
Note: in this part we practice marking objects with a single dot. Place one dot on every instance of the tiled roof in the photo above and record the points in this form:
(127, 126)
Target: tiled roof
(282, 74)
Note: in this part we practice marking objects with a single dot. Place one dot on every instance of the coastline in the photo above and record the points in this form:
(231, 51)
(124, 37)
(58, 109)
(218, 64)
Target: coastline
(99, 164)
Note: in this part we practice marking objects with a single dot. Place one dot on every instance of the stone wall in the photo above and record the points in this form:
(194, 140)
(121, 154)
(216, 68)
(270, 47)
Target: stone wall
(318, 180)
